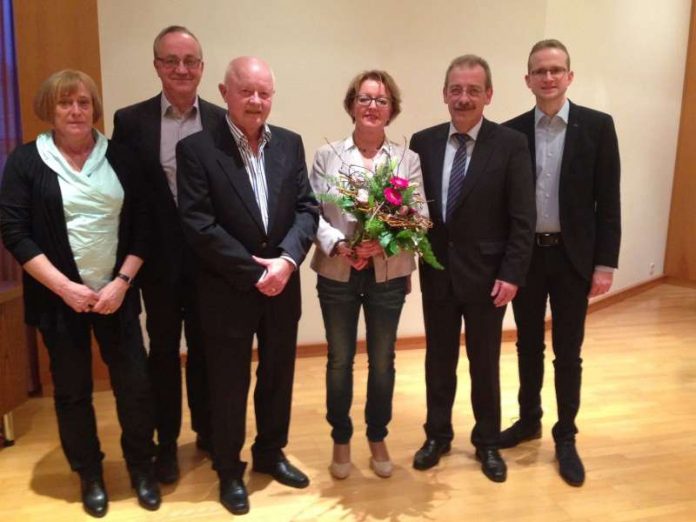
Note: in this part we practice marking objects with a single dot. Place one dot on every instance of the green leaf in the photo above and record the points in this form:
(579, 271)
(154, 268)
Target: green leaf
(425, 250)
(393, 248)
(374, 228)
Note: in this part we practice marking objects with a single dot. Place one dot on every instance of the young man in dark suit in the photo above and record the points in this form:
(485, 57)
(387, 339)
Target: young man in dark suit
(151, 129)
(575, 155)
(479, 185)
(249, 216)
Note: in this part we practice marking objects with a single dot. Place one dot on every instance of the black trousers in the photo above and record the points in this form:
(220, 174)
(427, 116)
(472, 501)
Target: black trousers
(483, 331)
(68, 339)
(168, 306)
(551, 277)
(229, 371)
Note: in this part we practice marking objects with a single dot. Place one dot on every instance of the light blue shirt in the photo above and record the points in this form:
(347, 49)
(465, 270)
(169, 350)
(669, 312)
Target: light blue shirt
(450, 151)
(549, 135)
(173, 128)
(92, 201)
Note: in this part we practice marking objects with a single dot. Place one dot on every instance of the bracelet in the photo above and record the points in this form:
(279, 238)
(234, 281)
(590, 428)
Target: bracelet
(125, 278)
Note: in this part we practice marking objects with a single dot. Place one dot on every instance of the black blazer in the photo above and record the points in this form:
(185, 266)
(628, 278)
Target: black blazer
(139, 128)
(222, 224)
(589, 201)
(32, 223)
(491, 232)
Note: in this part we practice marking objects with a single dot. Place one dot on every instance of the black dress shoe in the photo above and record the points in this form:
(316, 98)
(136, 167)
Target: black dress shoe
(430, 453)
(285, 473)
(492, 464)
(95, 501)
(233, 495)
(167, 467)
(518, 433)
(569, 464)
(204, 443)
(147, 489)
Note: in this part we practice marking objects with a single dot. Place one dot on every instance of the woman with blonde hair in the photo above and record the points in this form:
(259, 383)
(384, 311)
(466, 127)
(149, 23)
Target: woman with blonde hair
(72, 216)
(351, 276)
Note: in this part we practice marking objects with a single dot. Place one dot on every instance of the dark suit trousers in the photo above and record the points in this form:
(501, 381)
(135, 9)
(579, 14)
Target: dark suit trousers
(551, 276)
(483, 330)
(167, 306)
(229, 368)
(68, 341)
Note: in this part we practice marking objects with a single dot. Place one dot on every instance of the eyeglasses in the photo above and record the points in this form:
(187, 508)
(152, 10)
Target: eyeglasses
(364, 100)
(472, 91)
(555, 72)
(172, 62)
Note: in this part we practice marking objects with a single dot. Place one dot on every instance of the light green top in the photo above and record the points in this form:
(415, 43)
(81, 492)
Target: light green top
(92, 201)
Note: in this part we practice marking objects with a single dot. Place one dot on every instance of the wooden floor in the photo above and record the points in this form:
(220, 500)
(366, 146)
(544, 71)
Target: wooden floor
(638, 441)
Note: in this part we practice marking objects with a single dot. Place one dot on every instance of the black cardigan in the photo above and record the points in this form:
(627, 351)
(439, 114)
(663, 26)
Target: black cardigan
(32, 223)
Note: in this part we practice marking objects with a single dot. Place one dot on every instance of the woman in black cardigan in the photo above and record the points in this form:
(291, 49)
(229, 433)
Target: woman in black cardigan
(72, 216)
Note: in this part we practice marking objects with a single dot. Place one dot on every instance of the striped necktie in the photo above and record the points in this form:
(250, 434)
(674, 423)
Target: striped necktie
(457, 174)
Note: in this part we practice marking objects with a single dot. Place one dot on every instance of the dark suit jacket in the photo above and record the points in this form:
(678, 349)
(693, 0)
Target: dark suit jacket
(138, 127)
(490, 234)
(589, 201)
(32, 222)
(223, 225)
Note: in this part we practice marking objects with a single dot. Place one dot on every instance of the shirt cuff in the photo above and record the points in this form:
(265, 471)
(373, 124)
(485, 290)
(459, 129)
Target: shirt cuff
(602, 268)
(287, 257)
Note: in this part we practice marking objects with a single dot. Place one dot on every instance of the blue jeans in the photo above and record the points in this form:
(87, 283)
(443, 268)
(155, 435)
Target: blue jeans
(340, 306)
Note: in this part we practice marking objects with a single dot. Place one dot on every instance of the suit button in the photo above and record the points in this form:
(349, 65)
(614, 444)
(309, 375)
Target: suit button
(450, 243)
(264, 244)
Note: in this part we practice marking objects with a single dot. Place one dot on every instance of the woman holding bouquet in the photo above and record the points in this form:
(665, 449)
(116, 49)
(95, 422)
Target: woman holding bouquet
(355, 271)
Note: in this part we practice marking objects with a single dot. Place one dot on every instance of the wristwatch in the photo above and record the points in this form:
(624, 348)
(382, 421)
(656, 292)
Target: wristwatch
(125, 278)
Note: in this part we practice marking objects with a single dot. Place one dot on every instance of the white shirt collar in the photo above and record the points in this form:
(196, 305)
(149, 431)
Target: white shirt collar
(472, 132)
(51, 156)
(241, 139)
(349, 144)
(562, 113)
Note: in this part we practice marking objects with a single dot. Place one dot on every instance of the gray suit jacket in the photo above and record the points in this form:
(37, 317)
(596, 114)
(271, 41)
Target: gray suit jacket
(334, 224)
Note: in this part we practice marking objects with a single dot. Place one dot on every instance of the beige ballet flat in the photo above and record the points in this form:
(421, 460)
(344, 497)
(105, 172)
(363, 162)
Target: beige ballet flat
(382, 468)
(340, 470)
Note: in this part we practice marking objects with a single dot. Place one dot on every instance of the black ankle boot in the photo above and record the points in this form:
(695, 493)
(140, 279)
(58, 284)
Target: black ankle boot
(95, 501)
(147, 489)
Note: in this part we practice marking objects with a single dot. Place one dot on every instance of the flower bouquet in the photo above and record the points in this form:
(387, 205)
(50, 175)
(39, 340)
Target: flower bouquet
(385, 207)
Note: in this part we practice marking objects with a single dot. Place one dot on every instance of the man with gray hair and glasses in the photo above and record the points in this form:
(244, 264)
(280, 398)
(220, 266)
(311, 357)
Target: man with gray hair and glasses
(478, 181)
(151, 129)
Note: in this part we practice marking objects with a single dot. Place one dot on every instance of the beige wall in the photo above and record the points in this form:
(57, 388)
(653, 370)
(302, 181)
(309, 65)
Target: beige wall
(628, 57)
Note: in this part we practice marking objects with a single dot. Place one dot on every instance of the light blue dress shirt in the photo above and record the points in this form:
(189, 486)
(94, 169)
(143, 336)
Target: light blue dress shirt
(92, 201)
(549, 134)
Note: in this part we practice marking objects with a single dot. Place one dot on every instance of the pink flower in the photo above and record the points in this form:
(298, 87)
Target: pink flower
(392, 196)
(399, 183)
